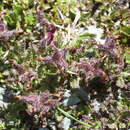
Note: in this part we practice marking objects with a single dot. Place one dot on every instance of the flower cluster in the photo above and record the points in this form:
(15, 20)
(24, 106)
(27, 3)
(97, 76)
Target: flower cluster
(92, 70)
(58, 58)
(40, 103)
(27, 76)
(20, 68)
(109, 47)
(48, 39)
(5, 34)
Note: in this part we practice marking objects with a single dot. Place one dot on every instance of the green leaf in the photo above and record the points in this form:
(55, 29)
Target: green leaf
(1, 51)
(124, 74)
(86, 35)
(27, 2)
(73, 118)
(127, 56)
(17, 8)
(30, 20)
(72, 15)
(11, 19)
(121, 83)
(125, 30)
(2, 125)
(85, 15)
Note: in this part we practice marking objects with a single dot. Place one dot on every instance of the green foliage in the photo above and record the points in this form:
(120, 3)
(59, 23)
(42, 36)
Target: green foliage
(127, 55)
(98, 75)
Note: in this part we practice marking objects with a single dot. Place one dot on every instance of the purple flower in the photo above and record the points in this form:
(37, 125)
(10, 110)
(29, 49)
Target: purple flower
(20, 68)
(86, 66)
(48, 39)
(2, 27)
(109, 47)
(40, 16)
(48, 60)
(29, 99)
(40, 103)
(44, 22)
(92, 70)
(4, 33)
(58, 58)
(51, 28)
(27, 76)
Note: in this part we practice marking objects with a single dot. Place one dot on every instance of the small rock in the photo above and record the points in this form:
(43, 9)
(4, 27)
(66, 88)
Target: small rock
(96, 105)
(98, 32)
(2, 93)
(71, 101)
(66, 123)
(81, 93)
(67, 93)
(43, 129)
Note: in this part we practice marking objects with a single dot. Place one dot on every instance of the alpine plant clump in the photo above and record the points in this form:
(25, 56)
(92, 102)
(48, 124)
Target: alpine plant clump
(48, 38)
(5, 34)
(58, 58)
(41, 103)
(59, 55)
